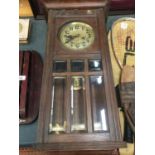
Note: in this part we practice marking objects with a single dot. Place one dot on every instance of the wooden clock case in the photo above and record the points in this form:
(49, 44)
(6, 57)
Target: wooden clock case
(93, 13)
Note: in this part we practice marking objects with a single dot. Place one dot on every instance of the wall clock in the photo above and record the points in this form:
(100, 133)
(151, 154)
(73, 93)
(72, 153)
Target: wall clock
(78, 108)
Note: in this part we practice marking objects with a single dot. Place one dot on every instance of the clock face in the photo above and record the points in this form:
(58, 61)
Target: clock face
(76, 35)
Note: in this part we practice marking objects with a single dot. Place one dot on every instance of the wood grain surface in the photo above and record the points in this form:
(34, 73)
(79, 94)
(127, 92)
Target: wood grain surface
(30, 151)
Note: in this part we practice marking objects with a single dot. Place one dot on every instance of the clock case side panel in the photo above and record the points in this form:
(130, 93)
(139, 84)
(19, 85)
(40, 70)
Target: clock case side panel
(111, 97)
(45, 83)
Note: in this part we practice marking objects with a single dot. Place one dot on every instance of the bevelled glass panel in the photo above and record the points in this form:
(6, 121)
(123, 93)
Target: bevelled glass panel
(59, 66)
(98, 102)
(78, 104)
(77, 66)
(58, 111)
(95, 65)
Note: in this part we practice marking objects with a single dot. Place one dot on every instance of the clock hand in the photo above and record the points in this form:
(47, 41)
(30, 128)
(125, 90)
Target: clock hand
(83, 38)
(70, 37)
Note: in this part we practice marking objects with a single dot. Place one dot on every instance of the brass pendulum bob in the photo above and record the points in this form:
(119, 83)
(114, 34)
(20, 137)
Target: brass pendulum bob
(77, 83)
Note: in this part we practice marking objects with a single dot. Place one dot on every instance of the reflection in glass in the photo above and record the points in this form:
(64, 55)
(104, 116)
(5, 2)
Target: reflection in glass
(58, 115)
(60, 66)
(95, 65)
(98, 102)
(77, 65)
(78, 104)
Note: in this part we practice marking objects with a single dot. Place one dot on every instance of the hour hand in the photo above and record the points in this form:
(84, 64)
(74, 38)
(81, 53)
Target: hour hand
(71, 37)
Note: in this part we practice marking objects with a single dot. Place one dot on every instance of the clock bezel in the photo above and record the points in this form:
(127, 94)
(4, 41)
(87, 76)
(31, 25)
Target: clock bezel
(72, 23)
(59, 49)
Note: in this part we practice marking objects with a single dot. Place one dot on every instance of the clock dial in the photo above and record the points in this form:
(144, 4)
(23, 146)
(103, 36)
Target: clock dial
(76, 35)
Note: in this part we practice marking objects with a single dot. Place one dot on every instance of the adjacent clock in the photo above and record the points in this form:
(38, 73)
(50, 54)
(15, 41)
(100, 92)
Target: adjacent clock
(78, 108)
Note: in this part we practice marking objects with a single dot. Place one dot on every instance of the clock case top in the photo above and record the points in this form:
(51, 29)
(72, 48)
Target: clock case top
(71, 4)
(54, 51)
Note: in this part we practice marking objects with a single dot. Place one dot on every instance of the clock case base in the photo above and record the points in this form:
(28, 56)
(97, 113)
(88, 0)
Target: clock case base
(31, 151)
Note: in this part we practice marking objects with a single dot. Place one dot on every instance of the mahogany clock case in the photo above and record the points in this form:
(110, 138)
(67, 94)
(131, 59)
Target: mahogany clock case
(90, 140)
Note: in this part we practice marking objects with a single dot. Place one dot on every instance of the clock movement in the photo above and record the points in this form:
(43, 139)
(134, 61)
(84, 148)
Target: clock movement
(78, 109)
